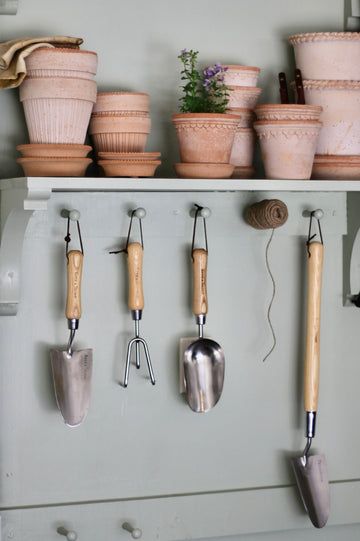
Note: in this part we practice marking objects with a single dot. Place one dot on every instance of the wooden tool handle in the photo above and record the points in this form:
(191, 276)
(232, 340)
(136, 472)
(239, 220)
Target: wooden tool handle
(74, 275)
(135, 264)
(200, 302)
(312, 354)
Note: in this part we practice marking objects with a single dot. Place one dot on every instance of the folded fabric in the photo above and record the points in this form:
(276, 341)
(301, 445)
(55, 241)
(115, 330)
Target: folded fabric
(13, 54)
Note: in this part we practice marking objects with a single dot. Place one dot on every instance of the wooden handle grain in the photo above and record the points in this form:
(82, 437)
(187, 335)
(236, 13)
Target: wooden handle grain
(312, 354)
(200, 301)
(74, 274)
(135, 265)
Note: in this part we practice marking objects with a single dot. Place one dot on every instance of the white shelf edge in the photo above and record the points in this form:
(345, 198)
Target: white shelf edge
(107, 184)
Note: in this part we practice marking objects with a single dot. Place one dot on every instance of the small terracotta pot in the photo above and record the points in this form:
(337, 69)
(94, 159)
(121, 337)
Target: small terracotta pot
(288, 147)
(246, 116)
(243, 96)
(119, 134)
(57, 110)
(242, 153)
(122, 101)
(119, 124)
(203, 170)
(328, 55)
(205, 137)
(340, 101)
(287, 111)
(236, 75)
(122, 168)
(61, 62)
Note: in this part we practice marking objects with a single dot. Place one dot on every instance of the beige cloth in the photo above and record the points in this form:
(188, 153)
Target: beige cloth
(13, 54)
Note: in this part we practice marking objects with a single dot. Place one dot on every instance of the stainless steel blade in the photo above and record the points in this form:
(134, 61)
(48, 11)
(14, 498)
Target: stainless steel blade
(72, 383)
(204, 370)
(313, 483)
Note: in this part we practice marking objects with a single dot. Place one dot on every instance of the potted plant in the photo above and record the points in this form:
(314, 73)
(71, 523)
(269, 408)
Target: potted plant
(204, 130)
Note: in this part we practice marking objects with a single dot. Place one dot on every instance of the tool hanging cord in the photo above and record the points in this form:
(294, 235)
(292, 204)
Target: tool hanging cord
(268, 214)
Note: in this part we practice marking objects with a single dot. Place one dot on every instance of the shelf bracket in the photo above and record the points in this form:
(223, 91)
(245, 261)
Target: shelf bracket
(17, 207)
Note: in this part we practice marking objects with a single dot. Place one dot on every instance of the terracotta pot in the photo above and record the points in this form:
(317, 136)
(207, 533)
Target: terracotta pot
(246, 116)
(288, 147)
(61, 62)
(336, 167)
(54, 167)
(241, 75)
(243, 96)
(205, 137)
(340, 101)
(115, 168)
(57, 110)
(119, 124)
(242, 153)
(328, 55)
(119, 134)
(287, 111)
(130, 156)
(204, 170)
(54, 151)
(122, 101)
(120, 114)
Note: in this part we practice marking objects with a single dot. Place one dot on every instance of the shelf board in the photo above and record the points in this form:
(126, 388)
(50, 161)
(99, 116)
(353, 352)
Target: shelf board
(88, 184)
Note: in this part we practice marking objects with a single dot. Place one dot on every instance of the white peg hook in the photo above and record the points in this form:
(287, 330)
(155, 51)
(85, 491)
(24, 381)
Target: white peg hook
(140, 213)
(136, 533)
(74, 215)
(69, 534)
(318, 214)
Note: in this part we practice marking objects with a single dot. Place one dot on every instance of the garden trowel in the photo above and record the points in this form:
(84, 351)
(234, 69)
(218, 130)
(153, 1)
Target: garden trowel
(310, 470)
(72, 369)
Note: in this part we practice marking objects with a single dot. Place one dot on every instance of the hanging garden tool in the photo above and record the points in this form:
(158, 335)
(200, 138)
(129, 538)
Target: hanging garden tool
(72, 369)
(283, 89)
(204, 362)
(134, 252)
(310, 470)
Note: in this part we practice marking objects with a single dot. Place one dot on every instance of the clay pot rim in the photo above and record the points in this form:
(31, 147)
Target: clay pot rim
(337, 164)
(245, 89)
(64, 50)
(290, 123)
(323, 36)
(202, 116)
(53, 159)
(121, 93)
(241, 110)
(53, 145)
(120, 114)
(129, 162)
(337, 158)
(239, 67)
(329, 84)
(243, 130)
(137, 155)
(293, 106)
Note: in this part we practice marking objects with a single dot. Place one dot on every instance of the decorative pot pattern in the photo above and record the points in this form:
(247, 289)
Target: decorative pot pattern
(61, 62)
(122, 101)
(241, 75)
(288, 148)
(340, 101)
(328, 55)
(205, 137)
(288, 111)
(243, 97)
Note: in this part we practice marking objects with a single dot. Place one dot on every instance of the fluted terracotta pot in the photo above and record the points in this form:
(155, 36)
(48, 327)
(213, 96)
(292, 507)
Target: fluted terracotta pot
(205, 137)
(57, 110)
(119, 133)
(288, 147)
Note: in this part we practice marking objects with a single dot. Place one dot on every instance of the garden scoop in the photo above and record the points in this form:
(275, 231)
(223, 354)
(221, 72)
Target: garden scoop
(72, 369)
(310, 470)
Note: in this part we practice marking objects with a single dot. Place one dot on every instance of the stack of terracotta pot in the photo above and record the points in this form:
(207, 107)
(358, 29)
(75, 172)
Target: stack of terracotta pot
(244, 94)
(330, 65)
(119, 127)
(58, 95)
(288, 135)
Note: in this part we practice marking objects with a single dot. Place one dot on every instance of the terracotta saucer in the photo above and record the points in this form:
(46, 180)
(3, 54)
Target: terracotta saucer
(204, 170)
(54, 167)
(129, 156)
(243, 172)
(338, 158)
(122, 168)
(335, 171)
(54, 151)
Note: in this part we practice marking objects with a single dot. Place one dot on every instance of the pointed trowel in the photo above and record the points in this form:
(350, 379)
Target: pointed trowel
(310, 470)
(72, 369)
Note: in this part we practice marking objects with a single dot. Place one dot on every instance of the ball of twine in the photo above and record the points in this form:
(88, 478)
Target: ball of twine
(267, 214)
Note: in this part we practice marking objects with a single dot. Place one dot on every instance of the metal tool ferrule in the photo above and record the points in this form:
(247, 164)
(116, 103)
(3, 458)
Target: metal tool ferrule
(73, 324)
(136, 315)
(200, 319)
(310, 424)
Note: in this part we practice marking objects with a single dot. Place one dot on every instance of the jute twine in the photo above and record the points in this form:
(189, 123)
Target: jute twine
(268, 214)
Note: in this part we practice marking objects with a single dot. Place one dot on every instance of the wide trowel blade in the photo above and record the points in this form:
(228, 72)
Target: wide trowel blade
(72, 383)
(312, 480)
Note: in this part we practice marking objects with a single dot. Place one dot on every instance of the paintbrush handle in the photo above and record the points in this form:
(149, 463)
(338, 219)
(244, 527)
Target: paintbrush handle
(200, 301)
(312, 354)
(75, 260)
(135, 267)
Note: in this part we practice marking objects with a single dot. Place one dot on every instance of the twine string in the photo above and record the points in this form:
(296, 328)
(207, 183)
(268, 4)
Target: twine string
(268, 214)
